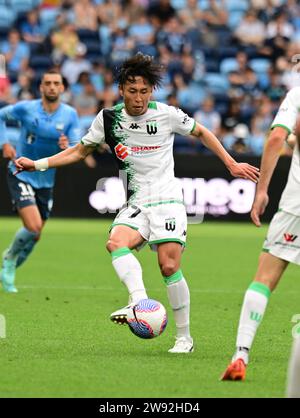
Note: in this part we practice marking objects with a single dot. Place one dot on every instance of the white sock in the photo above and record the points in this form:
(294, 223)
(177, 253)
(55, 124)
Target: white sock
(293, 388)
(130, 273)
(179, 298)
(254, 306)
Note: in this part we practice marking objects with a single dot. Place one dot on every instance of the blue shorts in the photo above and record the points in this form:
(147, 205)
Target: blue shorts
(23, 194)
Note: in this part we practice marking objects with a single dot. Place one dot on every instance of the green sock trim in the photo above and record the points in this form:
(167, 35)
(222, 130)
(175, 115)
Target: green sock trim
(260, 288)
(120, 252)
(174, 278)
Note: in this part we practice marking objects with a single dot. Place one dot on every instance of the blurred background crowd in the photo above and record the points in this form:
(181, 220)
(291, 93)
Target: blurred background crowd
(228, 62)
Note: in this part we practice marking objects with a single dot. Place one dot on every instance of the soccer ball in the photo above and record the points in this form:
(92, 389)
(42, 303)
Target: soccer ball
(147, 319)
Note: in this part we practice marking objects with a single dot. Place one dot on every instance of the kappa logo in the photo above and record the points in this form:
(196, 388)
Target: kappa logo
(151, 127)
(121, 151)
(170, 224)
(290, 237)
(134, 126)
(186, 118)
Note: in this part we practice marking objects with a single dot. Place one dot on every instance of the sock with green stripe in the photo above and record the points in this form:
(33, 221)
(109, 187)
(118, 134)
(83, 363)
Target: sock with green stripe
(179, 298)
(253, 309)
(130, 273)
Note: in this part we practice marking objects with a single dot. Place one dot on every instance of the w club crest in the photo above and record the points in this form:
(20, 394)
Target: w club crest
(290, 237)
(170, 224)
(151, 127)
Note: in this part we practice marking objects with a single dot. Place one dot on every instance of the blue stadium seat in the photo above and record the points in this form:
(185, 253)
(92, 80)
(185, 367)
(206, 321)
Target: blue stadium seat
(7, 17)
(21, 6)
(228, 64)
(48, 19)
(260, 65)
(216, 83)
(178, 4)
(234, 19)
(237, 5)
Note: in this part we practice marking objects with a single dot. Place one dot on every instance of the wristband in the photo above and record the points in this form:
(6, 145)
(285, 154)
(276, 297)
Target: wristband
(41, 165)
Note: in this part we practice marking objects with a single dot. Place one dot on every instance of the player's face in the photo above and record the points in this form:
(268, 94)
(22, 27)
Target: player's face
(136, 96)
(51, 87)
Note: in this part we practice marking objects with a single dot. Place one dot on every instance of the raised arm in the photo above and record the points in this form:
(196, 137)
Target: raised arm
(236, 169)
(68, 156)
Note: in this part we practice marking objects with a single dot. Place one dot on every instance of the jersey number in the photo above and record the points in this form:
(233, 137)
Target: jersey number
(26, 189)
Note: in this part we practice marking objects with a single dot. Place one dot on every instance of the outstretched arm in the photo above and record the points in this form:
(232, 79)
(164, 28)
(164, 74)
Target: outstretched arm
(66, 157)
(236, 169)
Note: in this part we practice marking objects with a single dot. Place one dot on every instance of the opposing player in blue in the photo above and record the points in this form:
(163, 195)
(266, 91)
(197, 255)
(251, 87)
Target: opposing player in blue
(47, 126)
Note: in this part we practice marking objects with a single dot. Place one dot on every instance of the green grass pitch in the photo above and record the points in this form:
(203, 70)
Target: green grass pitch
(61, 343)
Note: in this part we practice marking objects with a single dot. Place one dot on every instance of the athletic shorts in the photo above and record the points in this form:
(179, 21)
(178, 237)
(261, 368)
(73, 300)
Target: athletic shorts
(283, 238)
(23, 194)
(157, 223)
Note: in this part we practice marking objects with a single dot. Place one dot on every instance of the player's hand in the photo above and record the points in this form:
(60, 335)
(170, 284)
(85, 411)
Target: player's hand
(63, 141)
(24, 164)
(244, 171)
(8, 151)
(258, 208)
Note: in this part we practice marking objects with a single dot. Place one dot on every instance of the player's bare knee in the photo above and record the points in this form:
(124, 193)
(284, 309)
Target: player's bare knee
(168, 268)
(35, 229)
(113, 245)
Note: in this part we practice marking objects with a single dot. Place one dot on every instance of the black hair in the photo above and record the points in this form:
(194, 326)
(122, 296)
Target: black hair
(143, 66)
(51, 71)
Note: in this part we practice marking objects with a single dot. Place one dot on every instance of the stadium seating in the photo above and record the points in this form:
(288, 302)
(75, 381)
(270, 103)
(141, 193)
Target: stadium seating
(7, 17)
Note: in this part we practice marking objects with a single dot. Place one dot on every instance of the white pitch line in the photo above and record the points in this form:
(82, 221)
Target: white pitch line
(113, 289)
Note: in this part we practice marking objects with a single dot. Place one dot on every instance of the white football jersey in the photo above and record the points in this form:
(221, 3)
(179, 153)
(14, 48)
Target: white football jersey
(287, 117)
(143, 146)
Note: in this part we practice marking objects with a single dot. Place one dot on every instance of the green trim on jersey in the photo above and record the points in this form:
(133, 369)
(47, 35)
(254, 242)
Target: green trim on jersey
(281, 126)
(89, 145)
(176, 277)
(265, 250)
(119, 107)
(260, 288)
(162, 202)
(159, 241)
(120, 252)
(113, 136)
(152, 105)
(123, 223)
(193, 126)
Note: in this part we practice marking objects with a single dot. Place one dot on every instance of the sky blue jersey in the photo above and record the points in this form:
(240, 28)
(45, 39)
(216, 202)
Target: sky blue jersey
(40, 132)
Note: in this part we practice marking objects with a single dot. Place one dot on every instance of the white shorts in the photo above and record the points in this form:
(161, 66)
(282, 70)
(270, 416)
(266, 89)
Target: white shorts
(157, 223)
(283, 238)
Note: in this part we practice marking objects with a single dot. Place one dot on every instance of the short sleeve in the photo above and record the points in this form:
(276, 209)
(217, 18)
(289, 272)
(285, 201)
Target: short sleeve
(73, 132)
(287, 114)
(181, 123)
(95, 135)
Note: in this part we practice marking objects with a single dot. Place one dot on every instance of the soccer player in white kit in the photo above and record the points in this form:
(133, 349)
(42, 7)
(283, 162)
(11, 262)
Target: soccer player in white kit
(282, 244)
(293, 384)
(140, 134)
